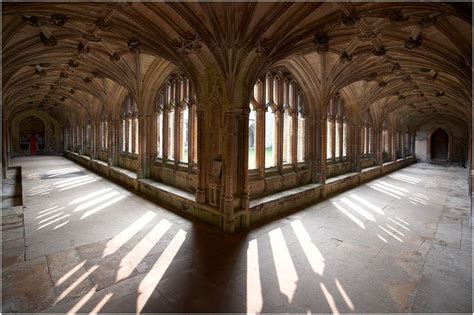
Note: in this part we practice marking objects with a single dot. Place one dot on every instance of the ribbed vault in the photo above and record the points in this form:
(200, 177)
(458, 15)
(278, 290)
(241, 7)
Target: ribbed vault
(411, 60)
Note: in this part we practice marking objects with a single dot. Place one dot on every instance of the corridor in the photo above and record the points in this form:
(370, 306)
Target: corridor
(396, 244)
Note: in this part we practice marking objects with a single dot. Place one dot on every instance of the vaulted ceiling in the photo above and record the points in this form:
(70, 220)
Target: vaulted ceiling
(407, 59)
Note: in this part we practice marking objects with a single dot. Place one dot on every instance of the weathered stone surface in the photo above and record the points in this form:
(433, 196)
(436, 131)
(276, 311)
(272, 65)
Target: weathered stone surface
(69, 277)
(27, 287)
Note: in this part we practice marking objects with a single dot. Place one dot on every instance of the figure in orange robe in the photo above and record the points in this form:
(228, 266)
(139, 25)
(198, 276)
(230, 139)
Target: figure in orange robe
(33, 144)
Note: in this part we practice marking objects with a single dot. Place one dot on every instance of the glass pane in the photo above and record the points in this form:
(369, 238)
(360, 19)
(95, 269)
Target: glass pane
(124, 135)
(252, 139)
(270, 135)
(369, 148)
(136, 135)
(171, 135)
(337, 138)
(194, 137)
(344, 139)
(301, 138)
(129, 130)
(329, 139)
(184, 135)
(287, 130)
(159, 135)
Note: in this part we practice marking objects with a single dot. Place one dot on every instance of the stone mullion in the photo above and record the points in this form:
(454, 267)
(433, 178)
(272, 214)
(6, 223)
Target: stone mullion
(229, 171)
(244, 193)
(142, 158)
(110, 142)
(200, 195)
(323, 145)
(333, 139)
(191, 122)
(260, 145)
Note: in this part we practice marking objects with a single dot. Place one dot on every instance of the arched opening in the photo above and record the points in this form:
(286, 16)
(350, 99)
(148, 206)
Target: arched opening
(32, 135)
(439, 145)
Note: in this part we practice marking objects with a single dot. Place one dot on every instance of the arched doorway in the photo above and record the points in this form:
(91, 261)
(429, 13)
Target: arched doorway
(30, 126)
(439, 145)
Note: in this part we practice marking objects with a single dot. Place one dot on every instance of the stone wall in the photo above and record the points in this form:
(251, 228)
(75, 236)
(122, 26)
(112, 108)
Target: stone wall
(458, 142)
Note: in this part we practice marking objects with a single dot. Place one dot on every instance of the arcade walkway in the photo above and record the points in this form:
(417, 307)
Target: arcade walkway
(397, 244)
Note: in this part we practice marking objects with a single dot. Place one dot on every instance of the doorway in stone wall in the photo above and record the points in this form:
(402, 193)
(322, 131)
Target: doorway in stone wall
(31, 126)
(439, 145)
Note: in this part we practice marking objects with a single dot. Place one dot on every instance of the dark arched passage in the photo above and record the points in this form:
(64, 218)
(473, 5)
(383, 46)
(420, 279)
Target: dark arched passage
(31, 126)
(439, 145)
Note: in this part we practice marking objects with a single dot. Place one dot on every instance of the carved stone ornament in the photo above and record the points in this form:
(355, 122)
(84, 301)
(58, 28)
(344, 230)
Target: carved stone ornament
(58, 19)
(367, 36)
(439, 93)
(63, 98)
(321, 40)
(82, 49)
(102, 25)
(383, 83)
(96, 73)
(427, 21)
(91, 37)
(134, 45)
(345, 57)
(379, 51)
(371, 76)
(40, 72)
(73, 63)
(115, 57)
(48, 41)
(397, 16)
(72, 91)
(401, 97)
(396, 67)
(32, 20)
(349, 20)
(261, 47)
(406, 79)
(433, 76)
(411, 43)
(87, 80)
(63, 75)
(188, 43)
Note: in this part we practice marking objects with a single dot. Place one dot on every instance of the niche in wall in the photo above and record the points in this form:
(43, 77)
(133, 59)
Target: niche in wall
(439, 145)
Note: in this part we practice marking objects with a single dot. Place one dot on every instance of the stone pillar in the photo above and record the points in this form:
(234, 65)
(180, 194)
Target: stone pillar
(201, 185)
(110, 142)
(260, 145)
(322, 149)
(244, 171)
(143, 135)
(356, 147)
(5, 141)
(231, 145)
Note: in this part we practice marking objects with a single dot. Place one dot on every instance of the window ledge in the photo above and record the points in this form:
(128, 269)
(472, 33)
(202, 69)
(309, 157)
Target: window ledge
(340, 177)
(166, 188)
(124, 171)
(281, 195)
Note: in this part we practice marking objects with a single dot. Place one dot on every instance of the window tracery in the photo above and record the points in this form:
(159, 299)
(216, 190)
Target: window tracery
(129, 126)
(367, 135)
(337, 132)
(277, 116)
(176, 121)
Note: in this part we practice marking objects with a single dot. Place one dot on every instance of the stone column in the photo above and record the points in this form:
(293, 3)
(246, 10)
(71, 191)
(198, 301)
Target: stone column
(356, 143)
(322, 148)
(244, 171)
(5, 142)
(260, 145)
(142, 146)
(201, 185)
(231, 145)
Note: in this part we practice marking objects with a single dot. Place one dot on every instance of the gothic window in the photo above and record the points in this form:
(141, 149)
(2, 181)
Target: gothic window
(252, 155)
(104, 131)
(276, 112)
(337, 133)
(366, 134)
(386, 142)
(176, 121)
(129, 126)
(407, 143)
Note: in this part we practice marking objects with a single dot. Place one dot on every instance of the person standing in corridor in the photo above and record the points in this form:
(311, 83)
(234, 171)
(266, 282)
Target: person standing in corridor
(33, 145)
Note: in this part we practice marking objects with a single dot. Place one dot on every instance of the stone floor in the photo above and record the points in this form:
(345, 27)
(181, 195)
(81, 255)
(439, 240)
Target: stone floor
(397, 244)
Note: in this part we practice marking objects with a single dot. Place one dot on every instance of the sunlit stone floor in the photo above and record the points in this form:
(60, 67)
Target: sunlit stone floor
(400, 243)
